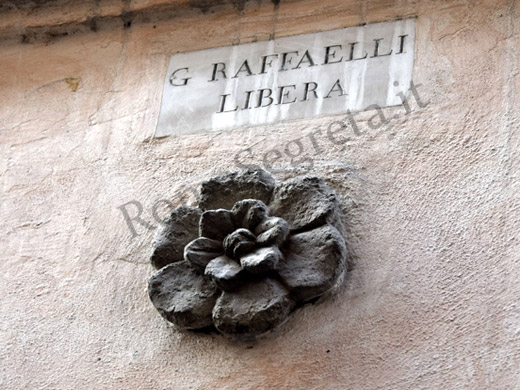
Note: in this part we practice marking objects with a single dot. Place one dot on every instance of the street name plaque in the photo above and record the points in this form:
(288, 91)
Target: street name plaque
(303, 76)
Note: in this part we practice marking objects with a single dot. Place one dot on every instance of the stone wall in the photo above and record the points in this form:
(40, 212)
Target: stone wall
(430, 200)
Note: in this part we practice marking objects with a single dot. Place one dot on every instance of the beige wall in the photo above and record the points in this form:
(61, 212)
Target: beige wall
(432, 204)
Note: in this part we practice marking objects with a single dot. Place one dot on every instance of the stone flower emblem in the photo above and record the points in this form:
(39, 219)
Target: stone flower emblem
(251, 252)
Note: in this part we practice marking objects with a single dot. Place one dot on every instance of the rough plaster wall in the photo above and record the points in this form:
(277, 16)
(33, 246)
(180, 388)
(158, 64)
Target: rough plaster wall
(432, 210)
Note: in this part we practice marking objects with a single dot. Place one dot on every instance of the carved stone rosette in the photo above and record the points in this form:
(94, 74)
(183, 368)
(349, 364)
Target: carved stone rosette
(251, 252)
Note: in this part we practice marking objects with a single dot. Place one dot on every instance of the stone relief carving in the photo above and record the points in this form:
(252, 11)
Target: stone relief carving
(249, 254)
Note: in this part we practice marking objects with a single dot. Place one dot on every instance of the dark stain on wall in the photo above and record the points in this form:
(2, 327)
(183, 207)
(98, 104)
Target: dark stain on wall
(94, 23)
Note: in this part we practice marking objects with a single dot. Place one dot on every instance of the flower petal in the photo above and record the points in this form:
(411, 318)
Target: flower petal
(262, 260)
(216, 224)
(248, 213)
(272, 231)
(305, 203)
(224, 191)
(253, 309)
(225, 272)
(181, 227)
(313, 262)
(202, 250)
(182, 295)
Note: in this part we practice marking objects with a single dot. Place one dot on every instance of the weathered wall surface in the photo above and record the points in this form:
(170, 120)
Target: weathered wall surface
(431, 202)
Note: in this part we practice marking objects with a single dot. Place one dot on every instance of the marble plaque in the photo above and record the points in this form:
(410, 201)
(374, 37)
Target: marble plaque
(295, 77)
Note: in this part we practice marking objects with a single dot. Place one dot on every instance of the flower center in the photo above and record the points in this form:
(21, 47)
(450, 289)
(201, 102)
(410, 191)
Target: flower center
(238, 243)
